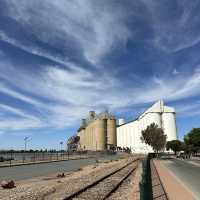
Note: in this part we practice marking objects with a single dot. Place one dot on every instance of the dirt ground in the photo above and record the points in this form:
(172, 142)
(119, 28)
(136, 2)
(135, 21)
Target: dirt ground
(53, 187)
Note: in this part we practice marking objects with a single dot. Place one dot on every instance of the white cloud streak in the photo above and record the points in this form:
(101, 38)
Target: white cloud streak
(72, 94)
(172, 32)
(82, 21)
(188, 109)
(8, 91)
(15, 111)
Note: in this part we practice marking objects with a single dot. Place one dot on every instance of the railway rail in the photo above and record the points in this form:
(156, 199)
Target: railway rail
(105, 186)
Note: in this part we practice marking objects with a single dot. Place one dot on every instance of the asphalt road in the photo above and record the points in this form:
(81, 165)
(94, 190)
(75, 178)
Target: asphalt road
(187, 173)
(29, 171)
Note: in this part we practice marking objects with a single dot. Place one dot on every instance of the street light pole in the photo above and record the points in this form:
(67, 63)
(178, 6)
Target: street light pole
(61, 143)
(26, 140)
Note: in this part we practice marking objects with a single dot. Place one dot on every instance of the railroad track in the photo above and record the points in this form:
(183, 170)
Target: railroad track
(103, 187)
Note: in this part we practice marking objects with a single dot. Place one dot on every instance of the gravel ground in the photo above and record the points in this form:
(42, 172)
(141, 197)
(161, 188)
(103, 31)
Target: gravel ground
(85, 179)
(51, 187)
(103, 188)
(129, 189)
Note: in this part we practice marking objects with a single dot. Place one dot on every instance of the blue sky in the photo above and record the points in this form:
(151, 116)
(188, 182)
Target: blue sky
(59, 59)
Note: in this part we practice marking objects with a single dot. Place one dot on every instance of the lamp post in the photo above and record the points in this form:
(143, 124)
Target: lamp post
(26, 140)
(61, 144)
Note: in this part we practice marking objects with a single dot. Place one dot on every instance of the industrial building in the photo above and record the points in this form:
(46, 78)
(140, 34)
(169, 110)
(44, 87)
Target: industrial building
(97, 132)
(128, 134)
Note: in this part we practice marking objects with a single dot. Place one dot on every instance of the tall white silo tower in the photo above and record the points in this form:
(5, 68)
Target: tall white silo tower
(169, 123)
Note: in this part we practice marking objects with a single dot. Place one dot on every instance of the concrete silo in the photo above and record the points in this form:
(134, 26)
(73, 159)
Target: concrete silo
(153, 118)
(169, 125)
(98, 131)
(100, 134)
(129, 133)
(111, 132)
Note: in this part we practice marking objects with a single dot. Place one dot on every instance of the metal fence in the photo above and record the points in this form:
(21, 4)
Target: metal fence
(17, 158)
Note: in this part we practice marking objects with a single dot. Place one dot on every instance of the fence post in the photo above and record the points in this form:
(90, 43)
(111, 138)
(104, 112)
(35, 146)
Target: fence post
(23, 157)
(10, 158)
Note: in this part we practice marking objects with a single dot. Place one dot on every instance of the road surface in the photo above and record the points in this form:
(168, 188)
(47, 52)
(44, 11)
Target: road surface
(187, 173)
(29, 171)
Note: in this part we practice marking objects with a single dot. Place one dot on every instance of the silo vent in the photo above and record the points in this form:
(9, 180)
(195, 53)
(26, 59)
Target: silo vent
(92, 114)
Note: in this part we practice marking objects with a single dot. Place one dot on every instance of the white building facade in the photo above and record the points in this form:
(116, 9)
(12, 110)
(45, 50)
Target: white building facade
(128, 134)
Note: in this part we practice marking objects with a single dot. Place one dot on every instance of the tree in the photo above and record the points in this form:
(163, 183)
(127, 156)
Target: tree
(174, 145)
(192, 140)
(73, 142)
(154, 137)
(193, 137)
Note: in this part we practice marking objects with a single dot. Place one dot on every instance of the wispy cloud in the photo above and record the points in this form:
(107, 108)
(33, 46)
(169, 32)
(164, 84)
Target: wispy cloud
(84, 22)
(172, 32)
(15, 119)
(188, 109)
(32, 49)
(9, 124)
(72, 94)
(6, 90)
(15, 111)
(61, 94)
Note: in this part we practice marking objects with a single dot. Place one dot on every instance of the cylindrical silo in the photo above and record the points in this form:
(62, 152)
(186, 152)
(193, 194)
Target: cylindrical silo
(84, 139)
(118, 137)
(132, 135)
(80, 134)
(169, 125)
(153, 118)
(111, 132)
(126, 136)
(100, 134)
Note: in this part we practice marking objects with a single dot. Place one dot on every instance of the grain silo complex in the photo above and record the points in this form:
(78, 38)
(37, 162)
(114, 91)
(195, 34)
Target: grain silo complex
(98, 132)
(128, 134)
